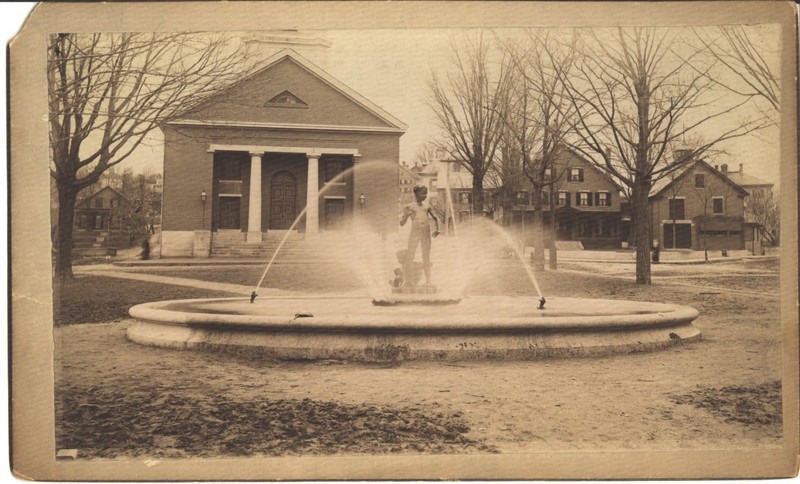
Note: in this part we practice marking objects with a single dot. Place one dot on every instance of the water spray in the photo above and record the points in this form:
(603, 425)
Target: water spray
(334, 181)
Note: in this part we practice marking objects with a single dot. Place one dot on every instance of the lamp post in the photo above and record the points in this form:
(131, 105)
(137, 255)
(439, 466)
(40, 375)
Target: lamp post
(362, 200)
(203, 197)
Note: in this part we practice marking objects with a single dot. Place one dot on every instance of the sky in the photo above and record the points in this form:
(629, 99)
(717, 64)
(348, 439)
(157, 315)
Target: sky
(391, 67)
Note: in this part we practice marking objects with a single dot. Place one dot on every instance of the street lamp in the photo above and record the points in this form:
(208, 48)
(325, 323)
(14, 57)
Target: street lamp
(362, 200)
(203, 197)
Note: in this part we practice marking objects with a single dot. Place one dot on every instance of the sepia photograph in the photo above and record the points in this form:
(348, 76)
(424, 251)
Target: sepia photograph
(371, 240)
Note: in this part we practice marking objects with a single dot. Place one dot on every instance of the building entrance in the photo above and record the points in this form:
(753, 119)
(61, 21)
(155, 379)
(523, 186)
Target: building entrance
(283, 201)
(229, 209)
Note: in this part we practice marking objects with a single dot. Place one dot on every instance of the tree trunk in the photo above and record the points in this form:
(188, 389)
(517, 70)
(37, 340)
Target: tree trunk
(642, 230)
(553, 250)
(67, 196)
(538, 231)
(477, 194)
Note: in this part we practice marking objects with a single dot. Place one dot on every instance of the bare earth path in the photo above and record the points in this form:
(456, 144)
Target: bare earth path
(718, 393)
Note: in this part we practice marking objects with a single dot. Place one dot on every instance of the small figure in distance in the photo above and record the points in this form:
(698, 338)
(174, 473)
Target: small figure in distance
(420, 213)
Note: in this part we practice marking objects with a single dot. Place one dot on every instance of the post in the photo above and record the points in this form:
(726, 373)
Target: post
(312, 195)
(254, 206)
(203, 197)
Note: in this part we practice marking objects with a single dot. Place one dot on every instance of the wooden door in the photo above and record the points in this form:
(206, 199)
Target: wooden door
(334, 213)
(683, 236)
(283, 206)
(229, 209)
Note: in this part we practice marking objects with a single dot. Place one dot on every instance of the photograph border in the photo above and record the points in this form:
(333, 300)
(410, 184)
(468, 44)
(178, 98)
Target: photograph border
(31, 314)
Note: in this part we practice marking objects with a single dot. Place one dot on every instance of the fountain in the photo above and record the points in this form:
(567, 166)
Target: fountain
(400, 319)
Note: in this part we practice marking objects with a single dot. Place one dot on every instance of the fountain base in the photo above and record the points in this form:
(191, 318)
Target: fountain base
(415, 290)
(351, 329)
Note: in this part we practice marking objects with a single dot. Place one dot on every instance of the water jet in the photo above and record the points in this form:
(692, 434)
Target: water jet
(403, 320)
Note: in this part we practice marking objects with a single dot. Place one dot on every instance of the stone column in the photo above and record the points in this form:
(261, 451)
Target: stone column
(356, 194)
(254, 208)
(312, 195)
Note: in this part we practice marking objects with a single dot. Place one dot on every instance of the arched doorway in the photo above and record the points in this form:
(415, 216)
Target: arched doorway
(283, 205)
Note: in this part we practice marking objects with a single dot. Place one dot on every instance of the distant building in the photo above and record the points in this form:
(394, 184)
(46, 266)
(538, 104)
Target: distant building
(408, 180)
(96, 212)
(700, 207)
(280, 143)
(757, 189)
(587, 202)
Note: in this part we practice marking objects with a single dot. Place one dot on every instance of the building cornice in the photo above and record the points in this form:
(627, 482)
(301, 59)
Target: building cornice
(207, 123)
(309, 151)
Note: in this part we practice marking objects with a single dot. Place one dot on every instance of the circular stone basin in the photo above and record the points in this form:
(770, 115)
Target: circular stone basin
(353, 328)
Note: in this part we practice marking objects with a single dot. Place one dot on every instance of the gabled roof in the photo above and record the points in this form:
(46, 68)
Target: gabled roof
(408, 172)
(594, 167)
(663, 184)
(316, 71)
(744, 180)
(98, 192)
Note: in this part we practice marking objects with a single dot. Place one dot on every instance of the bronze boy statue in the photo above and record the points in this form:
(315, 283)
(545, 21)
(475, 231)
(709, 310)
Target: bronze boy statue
(420, 213)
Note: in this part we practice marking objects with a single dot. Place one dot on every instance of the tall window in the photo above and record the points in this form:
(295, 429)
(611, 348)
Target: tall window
(563, 198)
(98, 203)
(332, 169)
(719, 205)
(584, 199)
(522, 198)
(603, 199)
(676, 210)
(699, 181)
(230, 170)
(575, 174)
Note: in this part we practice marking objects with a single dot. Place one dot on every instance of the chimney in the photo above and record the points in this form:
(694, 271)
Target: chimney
(741, 169)
(716, 167)
(724, 168)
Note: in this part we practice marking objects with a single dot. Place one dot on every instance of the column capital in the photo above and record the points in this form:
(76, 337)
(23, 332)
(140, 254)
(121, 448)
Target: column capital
(257, 153)
(313, 155)
(356, 157)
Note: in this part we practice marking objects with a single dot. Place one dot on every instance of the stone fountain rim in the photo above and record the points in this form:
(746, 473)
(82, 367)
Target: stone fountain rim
(669, 315)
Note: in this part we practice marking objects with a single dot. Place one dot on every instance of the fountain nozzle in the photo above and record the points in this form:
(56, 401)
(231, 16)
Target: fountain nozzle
(542, 300)
(253, 297)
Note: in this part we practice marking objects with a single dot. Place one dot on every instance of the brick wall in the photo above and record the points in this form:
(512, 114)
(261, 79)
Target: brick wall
(593, 181)
(694, 199)
(189, 169)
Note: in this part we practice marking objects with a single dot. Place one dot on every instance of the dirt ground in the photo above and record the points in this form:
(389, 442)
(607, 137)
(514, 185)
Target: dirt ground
(118, 399)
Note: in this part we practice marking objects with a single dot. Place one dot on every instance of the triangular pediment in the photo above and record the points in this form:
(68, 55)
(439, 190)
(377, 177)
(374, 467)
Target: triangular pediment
(287, 99)
(289, 80)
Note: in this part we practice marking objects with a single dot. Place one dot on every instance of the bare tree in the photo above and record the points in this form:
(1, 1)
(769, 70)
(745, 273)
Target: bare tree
(636, 95)
(465, 102)
(107, 92)
(506, 175)
(765, 210)
(428, 153)
(536, 117)
(744, 68)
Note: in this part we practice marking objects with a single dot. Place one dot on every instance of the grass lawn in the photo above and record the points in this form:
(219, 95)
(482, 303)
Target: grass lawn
(116, 399)
(98, 299)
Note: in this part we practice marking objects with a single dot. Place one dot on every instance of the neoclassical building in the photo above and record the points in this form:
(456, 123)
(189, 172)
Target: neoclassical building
(249, 160)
